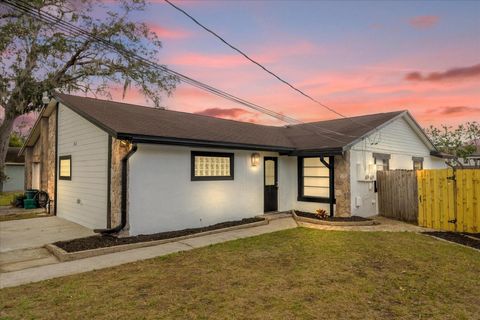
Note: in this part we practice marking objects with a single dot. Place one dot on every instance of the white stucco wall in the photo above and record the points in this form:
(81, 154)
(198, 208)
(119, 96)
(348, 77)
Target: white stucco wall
(180, 203)
(401, 142)
(162, 196)
(83, 199)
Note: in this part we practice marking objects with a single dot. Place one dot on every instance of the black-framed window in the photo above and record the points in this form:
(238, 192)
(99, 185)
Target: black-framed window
(65, 168)
(206, 166)
(382, 161)
(315, 179)
(417, 163)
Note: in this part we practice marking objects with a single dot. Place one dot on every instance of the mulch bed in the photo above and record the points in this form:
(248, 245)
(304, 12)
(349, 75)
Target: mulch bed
(99, 241)
(335, 219)
(467, 239)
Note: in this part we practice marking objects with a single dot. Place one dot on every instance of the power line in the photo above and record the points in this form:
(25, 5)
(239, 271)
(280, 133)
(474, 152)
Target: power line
(259, 64)
(76, 31)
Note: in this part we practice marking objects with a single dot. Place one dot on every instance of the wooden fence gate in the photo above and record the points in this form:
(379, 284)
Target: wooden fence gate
(435, 198)
(397, 195)
(449, 202)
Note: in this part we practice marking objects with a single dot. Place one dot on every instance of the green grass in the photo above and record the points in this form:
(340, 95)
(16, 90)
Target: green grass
(294, 274)
(7, 197)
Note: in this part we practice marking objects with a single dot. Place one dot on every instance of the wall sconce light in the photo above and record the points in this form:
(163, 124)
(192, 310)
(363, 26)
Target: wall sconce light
(255, 159)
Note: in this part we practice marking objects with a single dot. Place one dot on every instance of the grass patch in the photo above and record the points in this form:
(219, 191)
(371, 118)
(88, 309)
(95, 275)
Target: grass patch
(6, 198)
(293, 274)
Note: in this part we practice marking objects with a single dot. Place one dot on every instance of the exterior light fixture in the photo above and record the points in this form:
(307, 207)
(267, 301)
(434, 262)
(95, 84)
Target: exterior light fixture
(255, 159)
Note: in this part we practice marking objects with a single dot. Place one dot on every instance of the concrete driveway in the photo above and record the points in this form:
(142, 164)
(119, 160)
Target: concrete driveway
(36, 232)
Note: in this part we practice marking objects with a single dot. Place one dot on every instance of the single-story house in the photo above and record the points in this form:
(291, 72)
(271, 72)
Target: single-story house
(143, 170)
(14, 170)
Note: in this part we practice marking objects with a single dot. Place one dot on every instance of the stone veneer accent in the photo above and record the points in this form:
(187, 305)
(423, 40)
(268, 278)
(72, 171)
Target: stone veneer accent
(52, 124)
(28, 168)
(119, 150)
(342, 185)
(43, 151)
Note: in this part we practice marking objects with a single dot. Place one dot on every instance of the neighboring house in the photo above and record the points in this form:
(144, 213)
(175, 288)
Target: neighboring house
(149, 170)
(14, 170)
(473, 160)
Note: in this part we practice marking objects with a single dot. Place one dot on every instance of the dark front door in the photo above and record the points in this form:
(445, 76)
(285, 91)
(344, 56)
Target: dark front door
(270, 178)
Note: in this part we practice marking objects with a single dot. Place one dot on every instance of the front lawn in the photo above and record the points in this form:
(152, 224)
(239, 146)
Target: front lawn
(294, 274)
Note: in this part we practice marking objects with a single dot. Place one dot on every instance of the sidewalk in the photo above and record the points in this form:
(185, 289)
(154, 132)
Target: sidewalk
(385, 225)
(16, 278)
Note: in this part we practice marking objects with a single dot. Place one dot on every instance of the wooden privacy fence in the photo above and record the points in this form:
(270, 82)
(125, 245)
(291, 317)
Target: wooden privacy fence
(437, 199)
(448, 201)
(397, 195)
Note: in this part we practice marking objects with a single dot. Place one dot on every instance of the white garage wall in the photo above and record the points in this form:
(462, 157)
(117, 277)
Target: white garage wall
(402, 143)
(16, 177)
(84, 198)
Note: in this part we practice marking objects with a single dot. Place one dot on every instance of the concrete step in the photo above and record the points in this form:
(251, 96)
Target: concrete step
(26, 258)
(276, 215)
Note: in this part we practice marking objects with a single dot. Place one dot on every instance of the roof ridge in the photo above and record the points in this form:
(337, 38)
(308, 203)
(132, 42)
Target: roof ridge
(168, 110)
(353, 117)
(231, 120)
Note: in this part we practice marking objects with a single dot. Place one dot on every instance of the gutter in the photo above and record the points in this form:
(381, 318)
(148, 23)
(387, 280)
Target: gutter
(123, 217)
(441, 155)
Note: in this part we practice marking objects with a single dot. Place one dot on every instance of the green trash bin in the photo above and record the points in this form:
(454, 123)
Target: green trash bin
(29, 203)
(30, 193)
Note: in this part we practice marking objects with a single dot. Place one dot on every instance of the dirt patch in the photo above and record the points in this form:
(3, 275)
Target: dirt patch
(95, 242)
(333, 219)
(467, 239)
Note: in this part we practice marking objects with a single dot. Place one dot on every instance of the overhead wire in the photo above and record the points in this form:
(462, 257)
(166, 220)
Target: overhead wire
(73, 30)
(264, 68)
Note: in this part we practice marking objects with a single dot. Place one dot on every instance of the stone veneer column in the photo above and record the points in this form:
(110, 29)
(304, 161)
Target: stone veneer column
(119, 150)
(342, 185)
(50, 147)
(43, 153)
(28, 167)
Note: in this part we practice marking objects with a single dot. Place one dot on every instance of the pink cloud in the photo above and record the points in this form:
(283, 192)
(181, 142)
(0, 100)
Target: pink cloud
(455, 110)
(422, 22)
(266, 54)
(166, 33)
(451, 74)
(208, 61)
(230, 113)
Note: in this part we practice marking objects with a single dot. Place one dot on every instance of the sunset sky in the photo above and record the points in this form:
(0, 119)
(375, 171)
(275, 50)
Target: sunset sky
(357, 57)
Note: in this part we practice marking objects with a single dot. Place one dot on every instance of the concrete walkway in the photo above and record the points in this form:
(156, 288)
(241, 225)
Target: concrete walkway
(385, 224)
(16, 278)
(37, 232)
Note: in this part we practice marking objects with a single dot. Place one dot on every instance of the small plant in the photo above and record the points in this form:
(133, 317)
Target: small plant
(321, 213)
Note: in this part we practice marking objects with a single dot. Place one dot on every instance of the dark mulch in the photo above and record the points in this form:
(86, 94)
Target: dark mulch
(95, 242)
(467, 239)
(339, 219)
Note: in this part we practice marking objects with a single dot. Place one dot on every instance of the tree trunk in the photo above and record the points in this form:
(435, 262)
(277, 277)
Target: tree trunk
(5, 131)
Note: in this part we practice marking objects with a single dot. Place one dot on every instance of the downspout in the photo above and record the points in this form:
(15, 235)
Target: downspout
(123, 217)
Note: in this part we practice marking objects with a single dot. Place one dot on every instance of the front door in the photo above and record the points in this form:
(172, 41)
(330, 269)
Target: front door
(270, 184)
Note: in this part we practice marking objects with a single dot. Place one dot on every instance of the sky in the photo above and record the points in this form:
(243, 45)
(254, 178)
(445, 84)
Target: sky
(357, 57)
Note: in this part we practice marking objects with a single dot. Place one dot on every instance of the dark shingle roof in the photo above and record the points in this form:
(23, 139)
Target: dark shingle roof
(124, 120)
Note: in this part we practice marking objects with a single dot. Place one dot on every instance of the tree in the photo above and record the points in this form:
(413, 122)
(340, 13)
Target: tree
(16, 140)
(460, 142)
(37, 57)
